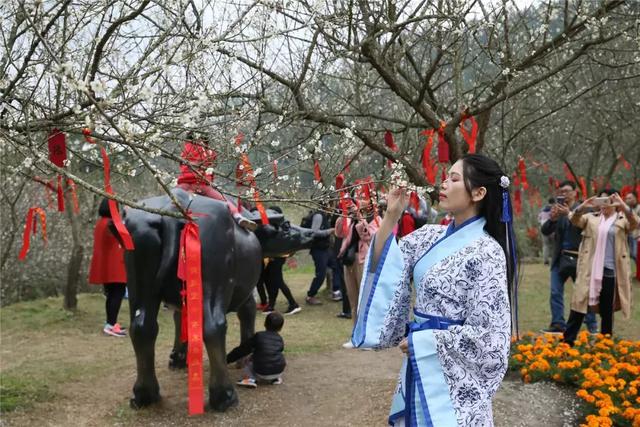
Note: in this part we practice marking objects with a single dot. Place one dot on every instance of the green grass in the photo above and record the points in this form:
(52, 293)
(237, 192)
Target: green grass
(21, 392)
(37, 364)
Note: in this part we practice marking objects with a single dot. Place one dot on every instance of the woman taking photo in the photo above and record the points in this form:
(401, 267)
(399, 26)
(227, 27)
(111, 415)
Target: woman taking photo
(603, 281)
(457, 341)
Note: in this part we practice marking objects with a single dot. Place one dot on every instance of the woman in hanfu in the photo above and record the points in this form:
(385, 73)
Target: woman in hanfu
(457, 337)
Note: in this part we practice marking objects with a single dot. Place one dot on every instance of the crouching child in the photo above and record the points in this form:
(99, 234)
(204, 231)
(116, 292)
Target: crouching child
(266, 362)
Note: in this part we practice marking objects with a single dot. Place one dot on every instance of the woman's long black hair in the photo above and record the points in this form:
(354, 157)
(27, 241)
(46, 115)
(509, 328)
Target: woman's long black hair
(482, 171)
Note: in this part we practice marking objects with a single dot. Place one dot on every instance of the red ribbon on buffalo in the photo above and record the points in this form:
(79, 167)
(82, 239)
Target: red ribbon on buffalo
(190, 271)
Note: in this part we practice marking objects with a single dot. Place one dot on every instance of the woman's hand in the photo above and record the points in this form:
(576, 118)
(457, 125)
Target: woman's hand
(404, 346)
(397, 201)
(586, 204)
(617, 201)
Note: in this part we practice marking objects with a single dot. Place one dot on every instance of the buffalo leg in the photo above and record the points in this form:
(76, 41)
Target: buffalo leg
(178, 356)
(247, 317)
(143, 331)
(222, 394)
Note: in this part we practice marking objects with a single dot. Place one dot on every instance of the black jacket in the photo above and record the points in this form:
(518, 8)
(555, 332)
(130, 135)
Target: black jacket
(267, 348)
(560, 227)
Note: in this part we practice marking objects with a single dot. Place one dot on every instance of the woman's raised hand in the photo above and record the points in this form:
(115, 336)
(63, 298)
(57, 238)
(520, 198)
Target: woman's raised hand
(397, 201)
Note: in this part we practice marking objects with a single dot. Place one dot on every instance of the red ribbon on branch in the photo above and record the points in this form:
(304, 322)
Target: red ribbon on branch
(443, 145)
(567, 172)
(57, 155)
(583, 187)
(517, 201)
(624, 162)
(316, 171)
(469, 137)
(113, 207)
(190, 271)
(428, 165)
(389, 143)
(522, 168)
(244, 176)
(74, 195)
(33, 214)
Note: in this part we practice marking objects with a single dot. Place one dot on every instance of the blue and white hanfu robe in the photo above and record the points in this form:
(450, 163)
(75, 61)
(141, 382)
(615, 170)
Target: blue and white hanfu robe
(459, 331)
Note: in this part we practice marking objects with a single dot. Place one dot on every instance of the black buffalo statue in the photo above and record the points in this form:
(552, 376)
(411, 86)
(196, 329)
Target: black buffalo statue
(231, 266)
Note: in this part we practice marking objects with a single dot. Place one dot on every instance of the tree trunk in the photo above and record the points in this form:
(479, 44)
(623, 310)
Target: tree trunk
(77, 255)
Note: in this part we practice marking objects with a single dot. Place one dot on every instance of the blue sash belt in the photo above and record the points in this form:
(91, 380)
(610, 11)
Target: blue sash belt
(431, 406)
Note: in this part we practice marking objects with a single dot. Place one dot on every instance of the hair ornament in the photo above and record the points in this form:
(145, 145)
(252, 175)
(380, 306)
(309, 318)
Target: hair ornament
(504, 182)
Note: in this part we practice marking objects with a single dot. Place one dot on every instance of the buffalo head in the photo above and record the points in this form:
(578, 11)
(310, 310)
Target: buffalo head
(286, 238)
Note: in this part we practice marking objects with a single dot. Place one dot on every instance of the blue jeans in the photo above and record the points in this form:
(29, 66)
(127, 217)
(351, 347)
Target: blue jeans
(556, 301)
(338, 271)
(320, 261)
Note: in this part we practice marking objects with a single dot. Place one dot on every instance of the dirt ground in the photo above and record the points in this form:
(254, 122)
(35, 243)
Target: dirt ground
(339, 388)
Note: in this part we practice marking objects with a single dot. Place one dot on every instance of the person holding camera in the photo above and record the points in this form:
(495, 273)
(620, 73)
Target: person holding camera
(565, 256)
(603, 284)
(361, 226)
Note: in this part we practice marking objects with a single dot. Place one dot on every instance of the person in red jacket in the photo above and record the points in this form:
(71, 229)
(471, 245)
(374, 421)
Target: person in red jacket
(406, 225)
(196, 176)
(107, 269)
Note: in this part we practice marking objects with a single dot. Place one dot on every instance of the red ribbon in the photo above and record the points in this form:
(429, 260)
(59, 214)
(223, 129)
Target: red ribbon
(517, 202)
(190, 270)
(443, 145)
(428, 165)
(31, 226)
(414, 201)
(60, 196)
(344, 205)
(389, 143)
(583, 187)
(316, 171)
(470, 138)
(113, 207)
(248, 177)
(522, 168)
(57, 155)
(339, 182)
(567, 172)
(624, 162)
(275, 170)
(74, 195)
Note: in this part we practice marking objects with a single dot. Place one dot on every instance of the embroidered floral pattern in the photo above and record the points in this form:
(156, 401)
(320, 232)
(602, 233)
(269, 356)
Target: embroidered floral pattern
(469, 285)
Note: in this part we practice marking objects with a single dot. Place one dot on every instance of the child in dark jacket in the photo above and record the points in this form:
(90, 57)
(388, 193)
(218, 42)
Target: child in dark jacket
(267, 361)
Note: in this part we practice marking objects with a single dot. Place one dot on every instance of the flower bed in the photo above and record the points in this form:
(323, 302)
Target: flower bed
(605, 371)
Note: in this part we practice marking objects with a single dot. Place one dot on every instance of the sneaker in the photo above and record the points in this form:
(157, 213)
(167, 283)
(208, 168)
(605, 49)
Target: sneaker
(554, 330)
(344, 315)
(268, 310)
(348, 345)
(277, 381)
(313, 301)
(119, 329)
(336, 296)
(292, 310)
(247, 382)
(111, 330)
(261, 307)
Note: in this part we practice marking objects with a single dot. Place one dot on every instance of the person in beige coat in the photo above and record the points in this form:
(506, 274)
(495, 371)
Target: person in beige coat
(603, 282)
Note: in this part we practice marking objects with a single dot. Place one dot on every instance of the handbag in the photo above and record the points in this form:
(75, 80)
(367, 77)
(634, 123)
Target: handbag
(567, 265)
